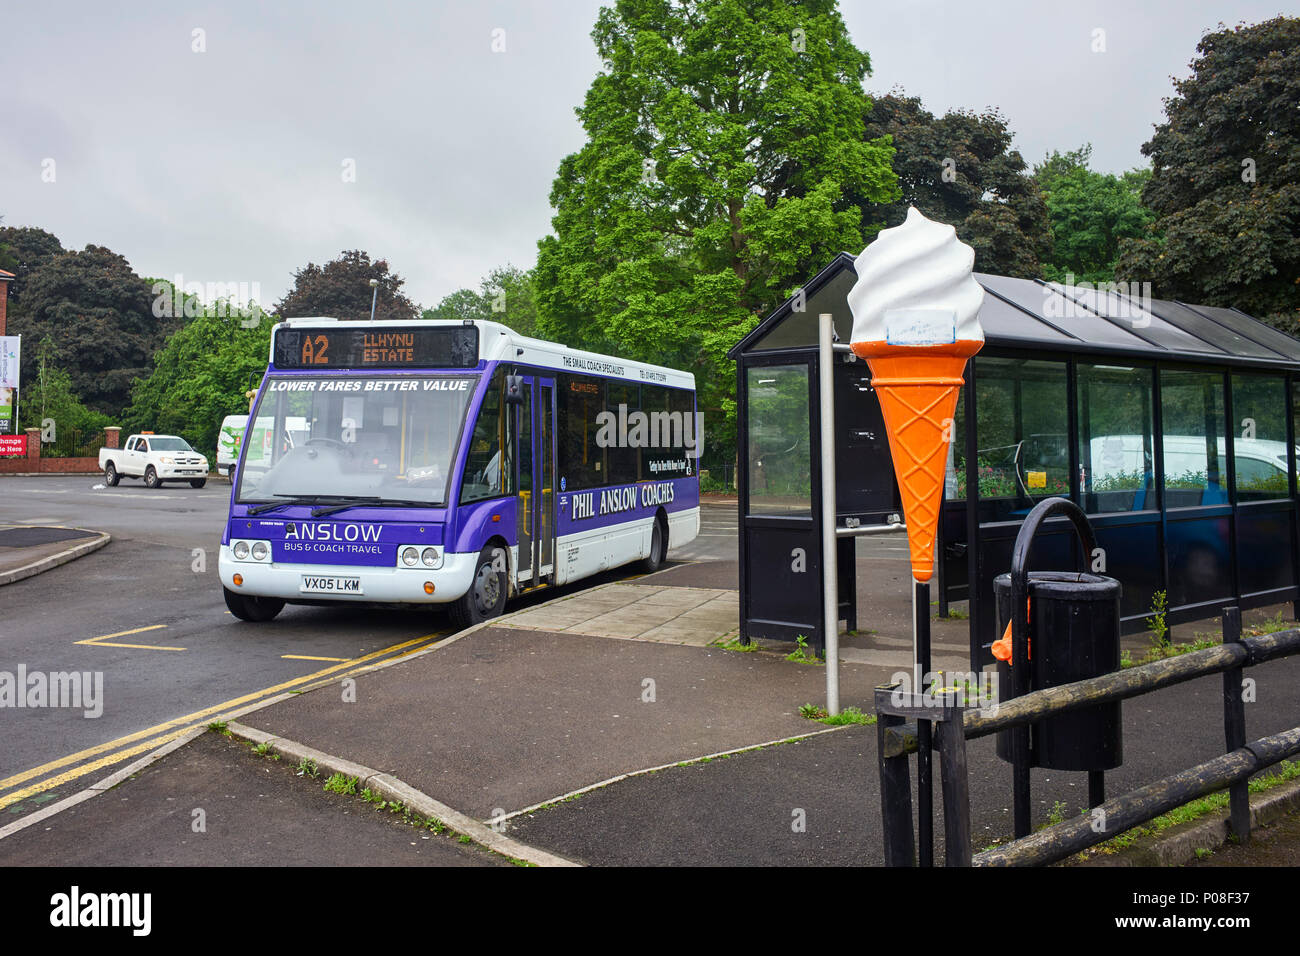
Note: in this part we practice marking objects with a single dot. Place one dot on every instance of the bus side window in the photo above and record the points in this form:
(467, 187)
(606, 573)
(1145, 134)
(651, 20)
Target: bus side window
(487, 469)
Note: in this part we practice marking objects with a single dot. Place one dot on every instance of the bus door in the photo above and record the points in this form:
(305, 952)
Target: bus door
(535, 482)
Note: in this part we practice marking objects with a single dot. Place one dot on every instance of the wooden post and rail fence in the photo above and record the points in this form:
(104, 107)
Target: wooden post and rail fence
(899, 716)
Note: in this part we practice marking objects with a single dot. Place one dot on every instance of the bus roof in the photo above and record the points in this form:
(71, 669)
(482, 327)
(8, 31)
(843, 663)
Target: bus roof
(499, 343)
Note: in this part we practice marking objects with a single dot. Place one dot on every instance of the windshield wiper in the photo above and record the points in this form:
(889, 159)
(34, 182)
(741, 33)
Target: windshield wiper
(361, 501)
(293, 500)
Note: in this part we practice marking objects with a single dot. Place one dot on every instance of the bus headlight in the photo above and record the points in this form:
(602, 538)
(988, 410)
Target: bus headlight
(410, 556)
(431, 557)
(251, 551)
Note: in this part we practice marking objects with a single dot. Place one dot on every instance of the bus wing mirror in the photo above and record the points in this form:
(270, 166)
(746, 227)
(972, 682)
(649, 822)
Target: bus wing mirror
(514, 389)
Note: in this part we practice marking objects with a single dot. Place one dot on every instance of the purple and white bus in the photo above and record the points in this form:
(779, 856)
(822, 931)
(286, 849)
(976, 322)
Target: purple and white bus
(458, 463)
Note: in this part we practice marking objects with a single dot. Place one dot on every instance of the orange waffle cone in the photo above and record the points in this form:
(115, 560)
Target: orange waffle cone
(918, 390)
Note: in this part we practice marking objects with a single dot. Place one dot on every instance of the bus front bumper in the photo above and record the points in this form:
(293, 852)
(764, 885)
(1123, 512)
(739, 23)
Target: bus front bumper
(301, 582)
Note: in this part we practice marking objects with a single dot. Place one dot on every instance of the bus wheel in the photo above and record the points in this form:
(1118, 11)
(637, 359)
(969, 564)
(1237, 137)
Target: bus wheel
(486, 597)
(255, 609)
(658, 549)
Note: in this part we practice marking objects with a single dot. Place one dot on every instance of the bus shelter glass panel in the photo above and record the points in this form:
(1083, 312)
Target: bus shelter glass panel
(1265, 550)
(780, 462)
(1191, 414)
(1259, 442)
(1022, 427)
(1116, 438)
(1200, 561)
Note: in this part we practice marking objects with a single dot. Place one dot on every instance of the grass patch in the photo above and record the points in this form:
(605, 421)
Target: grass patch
(1286, 771)
(1159, 652)
(735, 645)
(307, 768)
(219, 727)
(338, 783)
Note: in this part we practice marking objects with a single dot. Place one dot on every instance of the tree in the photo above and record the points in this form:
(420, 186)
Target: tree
(1091, 213)
(50, 402)
(1225, 186)
(960, 169)
(200, 376)
(98, 313)
(25, 248)
(506, 295)
(723, 137)
(341, 289)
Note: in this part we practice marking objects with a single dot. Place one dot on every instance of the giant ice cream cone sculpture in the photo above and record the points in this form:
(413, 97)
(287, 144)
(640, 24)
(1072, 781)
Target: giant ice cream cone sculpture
(916, 322)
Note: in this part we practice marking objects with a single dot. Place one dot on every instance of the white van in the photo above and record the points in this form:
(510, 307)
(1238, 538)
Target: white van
(1258, 460)
(229, 438)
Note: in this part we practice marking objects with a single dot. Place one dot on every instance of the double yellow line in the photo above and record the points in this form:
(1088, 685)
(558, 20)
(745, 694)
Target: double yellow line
(106, 754)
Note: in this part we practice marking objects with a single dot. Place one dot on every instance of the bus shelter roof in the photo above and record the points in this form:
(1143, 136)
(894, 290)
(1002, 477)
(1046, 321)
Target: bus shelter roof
(1048, 317)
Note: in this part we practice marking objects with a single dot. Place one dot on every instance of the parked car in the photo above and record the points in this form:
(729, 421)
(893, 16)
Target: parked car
(154, 458)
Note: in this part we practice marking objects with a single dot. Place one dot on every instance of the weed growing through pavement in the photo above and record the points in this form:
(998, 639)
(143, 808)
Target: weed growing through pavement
(219, 727)
(849, 715)
(801, 654)
(307, 768)
(1157, 621)
(338, 783)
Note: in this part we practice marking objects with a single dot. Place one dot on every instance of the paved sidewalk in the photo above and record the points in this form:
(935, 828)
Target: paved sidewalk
(27, 550)
(606, 728)
(249, 811)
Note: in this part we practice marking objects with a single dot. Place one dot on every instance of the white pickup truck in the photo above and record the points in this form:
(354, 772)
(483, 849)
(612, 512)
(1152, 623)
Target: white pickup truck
(155, 458)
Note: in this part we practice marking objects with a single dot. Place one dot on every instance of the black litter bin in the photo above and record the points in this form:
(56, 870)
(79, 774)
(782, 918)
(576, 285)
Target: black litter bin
(1073, 635)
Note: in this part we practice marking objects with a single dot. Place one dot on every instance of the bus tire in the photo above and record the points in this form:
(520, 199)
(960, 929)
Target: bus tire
(486, 597)
(111, 477)
(151, 479)
(658, 547)
(253, 609)
(198, 482)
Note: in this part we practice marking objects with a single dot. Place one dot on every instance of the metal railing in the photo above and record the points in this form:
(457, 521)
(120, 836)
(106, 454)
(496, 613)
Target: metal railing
(899, 717)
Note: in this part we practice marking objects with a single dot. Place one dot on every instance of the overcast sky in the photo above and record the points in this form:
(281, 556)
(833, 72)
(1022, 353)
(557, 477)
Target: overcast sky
(228, 165)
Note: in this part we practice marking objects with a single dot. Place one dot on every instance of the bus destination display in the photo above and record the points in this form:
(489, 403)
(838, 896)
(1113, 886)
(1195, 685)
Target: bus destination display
(380, 347)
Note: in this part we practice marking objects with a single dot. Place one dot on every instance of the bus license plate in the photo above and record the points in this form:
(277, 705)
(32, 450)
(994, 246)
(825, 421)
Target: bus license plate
(317, 584)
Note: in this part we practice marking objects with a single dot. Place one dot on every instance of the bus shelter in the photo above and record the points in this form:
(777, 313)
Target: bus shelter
(1173, 426)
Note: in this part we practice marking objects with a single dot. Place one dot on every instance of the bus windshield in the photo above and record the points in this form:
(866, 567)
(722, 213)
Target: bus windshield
(339, 437)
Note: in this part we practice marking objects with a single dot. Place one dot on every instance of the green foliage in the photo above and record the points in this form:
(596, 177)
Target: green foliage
(1090, 214)
(813, 712)
(98, 314)
(721, 149)
(51, 395)
(341, 289)
(1159, 627)
(506, 295)
(801, 654)
(1226, 181)
(338, 783)
(199, 377)
(960, 169)
(307, 768)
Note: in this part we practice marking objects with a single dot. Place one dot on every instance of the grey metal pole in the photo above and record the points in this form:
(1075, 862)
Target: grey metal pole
(374, 284)
(830, 567)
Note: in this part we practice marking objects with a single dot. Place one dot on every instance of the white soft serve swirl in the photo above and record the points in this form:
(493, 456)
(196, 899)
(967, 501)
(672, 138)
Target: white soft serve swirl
(920, 264)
